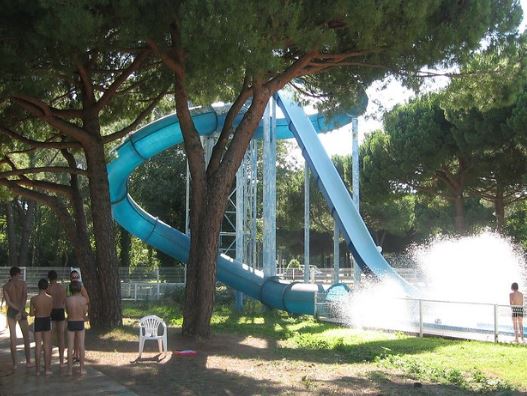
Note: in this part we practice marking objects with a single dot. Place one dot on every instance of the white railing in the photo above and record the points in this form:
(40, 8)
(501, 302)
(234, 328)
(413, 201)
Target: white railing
(456, 319)
(326, 275)
(139, 291)
(136, 283)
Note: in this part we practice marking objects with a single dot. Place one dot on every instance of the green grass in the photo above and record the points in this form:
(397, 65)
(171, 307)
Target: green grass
(470, 365)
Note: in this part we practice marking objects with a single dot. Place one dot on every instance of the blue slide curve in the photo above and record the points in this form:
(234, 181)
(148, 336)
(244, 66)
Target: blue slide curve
(292, 297)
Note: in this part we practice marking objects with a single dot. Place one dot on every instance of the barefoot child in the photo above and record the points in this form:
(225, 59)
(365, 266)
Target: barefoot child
(40, 307)
(77, 309)
(15, 294)
(516, 300)
(58, 318)
(76, 276)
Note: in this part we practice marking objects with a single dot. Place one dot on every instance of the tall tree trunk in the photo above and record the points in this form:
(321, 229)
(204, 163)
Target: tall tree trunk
(83, 250)
(11, 235)
(459, 207)
(210, 192)
(125, 243)
(25, 237)
(77, 233)
(499, 209)
(201, 271)
(107, 273)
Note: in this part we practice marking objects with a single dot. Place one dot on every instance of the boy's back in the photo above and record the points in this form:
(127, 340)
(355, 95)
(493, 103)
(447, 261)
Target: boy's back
(516, 298)
(58, 292)
(16, 289)
(42, 305)
(76, 307)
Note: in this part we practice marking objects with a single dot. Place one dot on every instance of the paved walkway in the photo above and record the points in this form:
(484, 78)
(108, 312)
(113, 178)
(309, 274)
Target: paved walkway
(24, 381)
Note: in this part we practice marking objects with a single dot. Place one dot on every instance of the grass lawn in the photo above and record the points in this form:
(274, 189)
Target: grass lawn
(465, 366)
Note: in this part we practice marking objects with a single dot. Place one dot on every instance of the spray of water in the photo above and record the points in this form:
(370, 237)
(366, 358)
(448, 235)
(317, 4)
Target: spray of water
(476, 269)
(479, 268)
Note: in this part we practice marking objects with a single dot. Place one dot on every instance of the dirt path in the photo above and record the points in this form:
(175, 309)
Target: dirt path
(24, 381)
(231, 365)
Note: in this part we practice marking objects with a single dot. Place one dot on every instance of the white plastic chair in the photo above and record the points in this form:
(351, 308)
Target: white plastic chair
(148, 330)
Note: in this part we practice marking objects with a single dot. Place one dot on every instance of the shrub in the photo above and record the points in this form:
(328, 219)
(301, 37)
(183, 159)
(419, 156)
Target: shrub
(293, 263)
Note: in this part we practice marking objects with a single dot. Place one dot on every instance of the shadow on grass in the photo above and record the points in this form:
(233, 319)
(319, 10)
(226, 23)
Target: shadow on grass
(393, 385)
(233, 327)
(366, 352)
(219, 342)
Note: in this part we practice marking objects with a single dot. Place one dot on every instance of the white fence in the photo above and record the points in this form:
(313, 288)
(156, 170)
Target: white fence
(325, 275)
(149, 284)
(466, 320)
(136, 283)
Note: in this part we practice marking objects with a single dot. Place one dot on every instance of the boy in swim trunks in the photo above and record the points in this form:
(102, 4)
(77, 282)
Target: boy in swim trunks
(77, 310)
(15, 294)
(76, 276)
(516, 300)
(58, 317)
(40, 307)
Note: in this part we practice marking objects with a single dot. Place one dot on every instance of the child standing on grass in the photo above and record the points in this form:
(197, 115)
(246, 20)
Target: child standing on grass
(77, 310)
(516, 300)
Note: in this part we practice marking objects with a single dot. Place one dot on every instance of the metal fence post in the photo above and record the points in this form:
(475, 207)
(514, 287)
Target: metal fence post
(495, 323)
(135, 291)
(157, 277)
(315, 307)
(420, 318)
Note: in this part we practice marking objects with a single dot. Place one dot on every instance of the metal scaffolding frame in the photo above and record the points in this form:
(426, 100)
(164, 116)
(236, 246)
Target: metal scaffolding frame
(239, 228)
(269, 190)
(238, 231)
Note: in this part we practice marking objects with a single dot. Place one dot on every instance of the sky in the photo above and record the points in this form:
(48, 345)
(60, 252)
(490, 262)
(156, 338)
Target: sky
(338, 142)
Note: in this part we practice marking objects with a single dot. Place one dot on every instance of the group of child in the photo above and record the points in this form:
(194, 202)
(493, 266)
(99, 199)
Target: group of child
(49, 307)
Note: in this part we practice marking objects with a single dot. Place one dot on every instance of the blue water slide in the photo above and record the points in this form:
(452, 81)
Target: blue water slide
(338, 197)
(290, 296)
(165, 133)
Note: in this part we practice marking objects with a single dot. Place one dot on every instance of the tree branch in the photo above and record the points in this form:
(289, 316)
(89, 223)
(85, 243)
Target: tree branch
(35, 143)
(112, 89)
(41, 110)
(168, 60)
(86, 83)
(42, 169)
(219, 147)
(61, 189)
(142, 115)
(294, 70)
(242, 135)
(51, 201)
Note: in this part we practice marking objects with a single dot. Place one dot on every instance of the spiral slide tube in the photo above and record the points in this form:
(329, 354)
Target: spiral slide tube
(164, 133)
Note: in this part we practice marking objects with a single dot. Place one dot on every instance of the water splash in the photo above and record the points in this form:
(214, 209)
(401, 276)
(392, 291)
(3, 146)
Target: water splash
(474, 269)
(478, 268)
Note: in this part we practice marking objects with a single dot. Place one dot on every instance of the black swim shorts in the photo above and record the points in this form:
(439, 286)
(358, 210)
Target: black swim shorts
(75, 325)
(57, 314)
(12, 313)
(42, 324)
